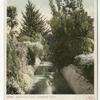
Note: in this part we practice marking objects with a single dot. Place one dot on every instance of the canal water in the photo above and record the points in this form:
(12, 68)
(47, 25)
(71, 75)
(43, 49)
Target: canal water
(47, 81)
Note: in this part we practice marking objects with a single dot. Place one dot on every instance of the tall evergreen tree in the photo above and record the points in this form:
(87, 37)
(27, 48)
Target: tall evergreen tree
(72, 30)
(33, 22)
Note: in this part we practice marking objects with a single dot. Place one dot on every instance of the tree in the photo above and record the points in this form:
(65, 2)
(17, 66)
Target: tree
(33, 22)
(72, 30)
(13, 64)
(11, 17)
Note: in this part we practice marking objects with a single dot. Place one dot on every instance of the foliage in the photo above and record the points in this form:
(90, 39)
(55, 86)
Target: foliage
(88, 72)
(13, 67)
(19, 75)
(25, 80)
(12, 61)
(30, 56)
(33, 22)
(86, 65)
(33, 26)
(20, 57)
(13, 87)
(72, 30)
(11, 17)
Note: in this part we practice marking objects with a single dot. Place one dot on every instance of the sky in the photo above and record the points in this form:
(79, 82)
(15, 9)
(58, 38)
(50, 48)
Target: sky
(43, 6)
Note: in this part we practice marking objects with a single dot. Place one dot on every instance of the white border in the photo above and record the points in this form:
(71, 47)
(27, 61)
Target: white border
(1, 50)
(98, 49)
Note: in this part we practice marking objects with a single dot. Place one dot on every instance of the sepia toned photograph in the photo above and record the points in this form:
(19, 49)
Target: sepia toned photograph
(51, 47)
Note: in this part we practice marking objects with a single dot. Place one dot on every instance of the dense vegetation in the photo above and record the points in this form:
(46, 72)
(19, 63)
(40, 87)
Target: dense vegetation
(70, 42)
(72, 29)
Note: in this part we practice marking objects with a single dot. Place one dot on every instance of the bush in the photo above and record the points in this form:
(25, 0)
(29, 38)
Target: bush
(86, 64)
(72, 30)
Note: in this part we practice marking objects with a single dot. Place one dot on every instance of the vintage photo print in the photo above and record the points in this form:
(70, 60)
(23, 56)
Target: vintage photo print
(51, 49)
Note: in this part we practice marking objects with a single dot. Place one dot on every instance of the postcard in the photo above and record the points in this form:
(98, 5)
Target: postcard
(51, 50)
